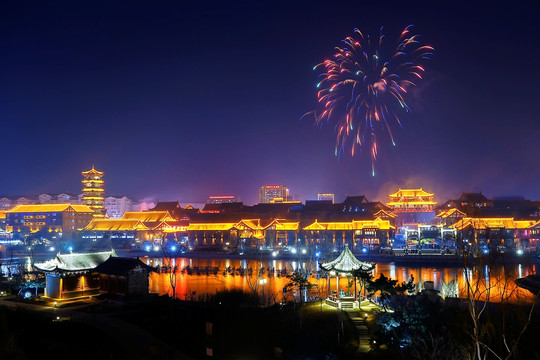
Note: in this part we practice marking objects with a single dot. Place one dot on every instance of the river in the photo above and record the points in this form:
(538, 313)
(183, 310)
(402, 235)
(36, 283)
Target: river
(449, 281)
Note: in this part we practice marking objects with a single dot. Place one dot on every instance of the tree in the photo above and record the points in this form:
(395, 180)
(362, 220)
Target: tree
(299, 281)
(497, 322)
(387, 287)
(253, 284)
(364, 278)
(172, 270)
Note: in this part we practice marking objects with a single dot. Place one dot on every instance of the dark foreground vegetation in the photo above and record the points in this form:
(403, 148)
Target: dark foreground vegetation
(30, 335)
(427, 327)
(235, 327)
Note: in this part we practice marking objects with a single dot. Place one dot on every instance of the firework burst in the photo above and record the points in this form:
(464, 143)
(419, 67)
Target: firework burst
(365, 85)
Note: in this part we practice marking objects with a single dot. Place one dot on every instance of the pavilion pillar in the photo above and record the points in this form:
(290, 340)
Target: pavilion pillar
(355, 291)
(337, 285)
(328, 284)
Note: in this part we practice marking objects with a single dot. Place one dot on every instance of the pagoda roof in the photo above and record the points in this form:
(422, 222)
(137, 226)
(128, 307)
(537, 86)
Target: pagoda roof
(474, 197)
(115, 225)
(121, 266)
(210, 226)
(75, 261)
(378, 223)
(427, 202)
(253, 224)
(385, 213)
(316, 225)
(41, 208)
(346, 262)
(410, 193)
(485, 223)
(451, 212)
(166, 206)
(93, 171)
(282, 225)
(355, 200)
(148, 216)
(223, 207)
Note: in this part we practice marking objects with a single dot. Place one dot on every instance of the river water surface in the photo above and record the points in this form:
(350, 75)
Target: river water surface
(449, 281)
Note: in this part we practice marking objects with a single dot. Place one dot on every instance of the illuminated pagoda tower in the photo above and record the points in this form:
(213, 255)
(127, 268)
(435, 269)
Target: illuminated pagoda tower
(412, 206)
(93, 191)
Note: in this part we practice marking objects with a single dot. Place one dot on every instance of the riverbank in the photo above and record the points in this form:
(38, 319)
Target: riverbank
(446, 260)
(449, 260)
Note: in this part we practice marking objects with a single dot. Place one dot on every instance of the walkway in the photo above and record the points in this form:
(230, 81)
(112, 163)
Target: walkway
(364, 340)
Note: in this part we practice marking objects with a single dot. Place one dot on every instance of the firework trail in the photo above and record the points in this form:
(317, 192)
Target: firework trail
(364, 87)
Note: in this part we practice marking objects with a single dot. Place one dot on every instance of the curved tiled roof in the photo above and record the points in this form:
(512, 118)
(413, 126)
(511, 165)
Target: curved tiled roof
(346, 262)
(75, 261)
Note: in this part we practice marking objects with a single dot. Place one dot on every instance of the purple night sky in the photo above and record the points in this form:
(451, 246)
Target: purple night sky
(182, 101)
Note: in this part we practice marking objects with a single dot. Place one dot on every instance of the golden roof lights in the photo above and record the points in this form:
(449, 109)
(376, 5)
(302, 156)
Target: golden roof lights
(93, 190)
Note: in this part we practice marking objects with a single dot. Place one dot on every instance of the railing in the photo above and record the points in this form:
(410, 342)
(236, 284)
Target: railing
(79, 293)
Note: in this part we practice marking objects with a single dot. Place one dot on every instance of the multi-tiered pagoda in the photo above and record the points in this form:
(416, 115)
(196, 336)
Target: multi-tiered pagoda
(412, 206)
(93, 191)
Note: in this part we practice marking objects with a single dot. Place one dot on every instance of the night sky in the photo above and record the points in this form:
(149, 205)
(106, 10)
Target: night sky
(181, 101)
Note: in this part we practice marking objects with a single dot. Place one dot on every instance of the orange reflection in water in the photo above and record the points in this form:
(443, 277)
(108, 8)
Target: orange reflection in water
(450, 282)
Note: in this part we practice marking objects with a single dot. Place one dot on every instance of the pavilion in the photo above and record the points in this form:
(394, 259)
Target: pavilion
(344, 265)
(70, 277)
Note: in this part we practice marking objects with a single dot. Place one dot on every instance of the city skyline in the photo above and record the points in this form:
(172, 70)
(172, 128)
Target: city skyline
(213, 198)
(181, 102)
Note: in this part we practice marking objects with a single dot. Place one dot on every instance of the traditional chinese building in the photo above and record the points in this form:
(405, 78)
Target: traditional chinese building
(123, 276)
(534, 237)
(138, 226)
(93, 191)
(344, 265)
(450, 217)
(357, 234)
(412, 206)
(51, 220)
(70, 277)
(226, 235)
(494, 232)
(277, 233)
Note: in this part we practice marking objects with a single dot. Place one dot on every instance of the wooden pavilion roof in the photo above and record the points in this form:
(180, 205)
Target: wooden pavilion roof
(346, 262)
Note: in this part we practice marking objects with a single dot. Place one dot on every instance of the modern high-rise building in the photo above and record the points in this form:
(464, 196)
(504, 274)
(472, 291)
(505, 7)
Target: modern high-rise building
(325, 197)
(116, 206)
(267, 193)
(221, 199)
(93, 191)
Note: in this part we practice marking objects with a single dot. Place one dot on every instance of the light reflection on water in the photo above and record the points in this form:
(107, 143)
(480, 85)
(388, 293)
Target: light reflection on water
(450, 281)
